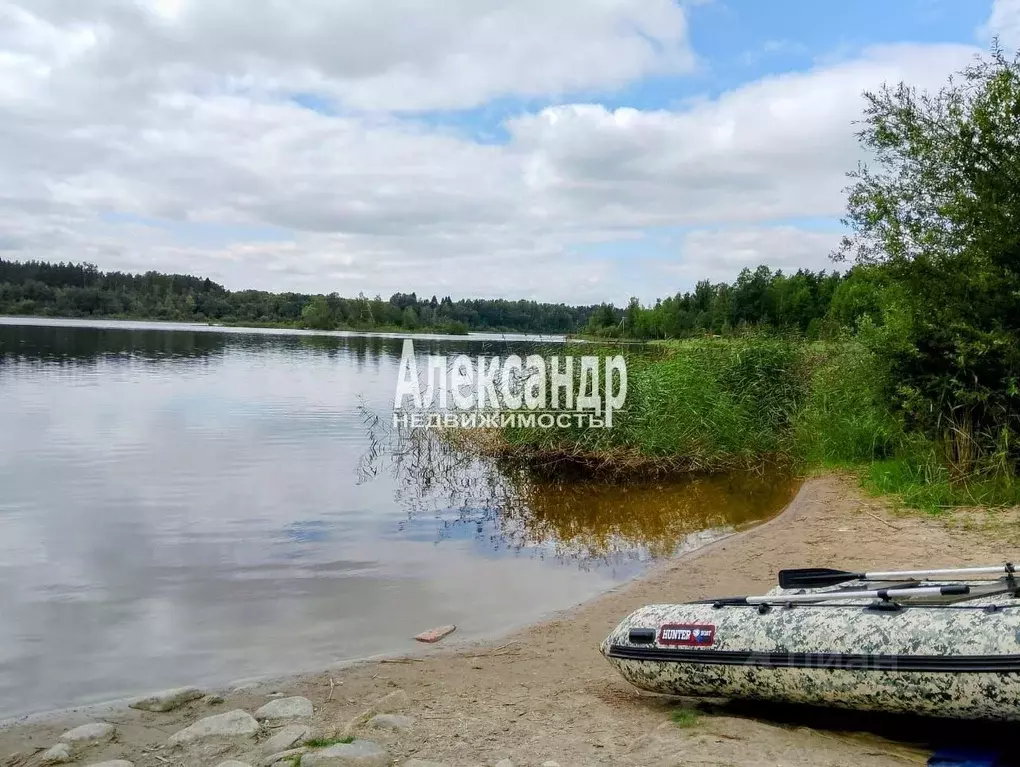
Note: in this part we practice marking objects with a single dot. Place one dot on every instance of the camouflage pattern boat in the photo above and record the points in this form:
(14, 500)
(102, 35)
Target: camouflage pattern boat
(946, 656)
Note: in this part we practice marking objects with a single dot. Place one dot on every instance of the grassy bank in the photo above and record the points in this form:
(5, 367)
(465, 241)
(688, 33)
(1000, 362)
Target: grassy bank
(755, 401)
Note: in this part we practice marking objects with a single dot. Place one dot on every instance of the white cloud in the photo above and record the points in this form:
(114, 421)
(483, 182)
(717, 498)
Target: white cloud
(776, 148)
(172, 110)
(719, 255)
(384, 54)
(1004, 22)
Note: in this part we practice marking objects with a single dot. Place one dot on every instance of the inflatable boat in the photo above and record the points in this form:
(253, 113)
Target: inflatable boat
(944, 648)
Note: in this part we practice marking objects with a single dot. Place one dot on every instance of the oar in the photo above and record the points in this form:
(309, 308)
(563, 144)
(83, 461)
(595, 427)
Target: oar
(820, 577)
(955, 589)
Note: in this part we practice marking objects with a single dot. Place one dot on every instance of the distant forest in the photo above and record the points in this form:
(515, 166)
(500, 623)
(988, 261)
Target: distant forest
(805, 301)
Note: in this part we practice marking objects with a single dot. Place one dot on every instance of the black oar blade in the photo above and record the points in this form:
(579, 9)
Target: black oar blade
(814, 577)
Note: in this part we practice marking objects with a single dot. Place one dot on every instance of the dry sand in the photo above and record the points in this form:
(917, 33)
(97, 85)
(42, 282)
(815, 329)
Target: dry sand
(545, 694)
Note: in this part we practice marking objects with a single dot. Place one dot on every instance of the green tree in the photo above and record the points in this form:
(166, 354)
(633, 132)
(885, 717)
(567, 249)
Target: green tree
(863, 293)
(316, 314)
(632, 316)
(940, 208)
(409, 319)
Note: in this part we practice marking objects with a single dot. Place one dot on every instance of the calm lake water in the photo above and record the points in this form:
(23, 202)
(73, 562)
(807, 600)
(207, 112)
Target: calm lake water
(183, 505)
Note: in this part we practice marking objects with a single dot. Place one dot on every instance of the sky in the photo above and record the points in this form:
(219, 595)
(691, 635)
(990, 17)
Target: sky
(561, 150)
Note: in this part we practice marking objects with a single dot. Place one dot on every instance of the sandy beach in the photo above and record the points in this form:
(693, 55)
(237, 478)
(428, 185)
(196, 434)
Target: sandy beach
(544, 694)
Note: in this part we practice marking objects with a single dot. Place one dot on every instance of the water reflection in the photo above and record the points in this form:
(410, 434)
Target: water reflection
(86, 341)
(69, 345)
(599, 519)
(182, 506)
(592, 523)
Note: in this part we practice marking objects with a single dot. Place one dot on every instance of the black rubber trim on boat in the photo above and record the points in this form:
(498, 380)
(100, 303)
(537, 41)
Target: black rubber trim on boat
(960, 664)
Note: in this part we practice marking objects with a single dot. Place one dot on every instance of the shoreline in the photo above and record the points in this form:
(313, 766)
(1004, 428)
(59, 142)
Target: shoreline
(39, 320)
(119, 704)
(542, 692)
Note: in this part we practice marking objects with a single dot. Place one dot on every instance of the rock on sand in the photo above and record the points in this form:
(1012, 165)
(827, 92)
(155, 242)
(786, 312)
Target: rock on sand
(285, 708)
(360, 753)
(59, 754)
(233, 724)
(391, 703)
(392, 722)
(286, 738)
(283, 757)
(434, 635)
(89, 733)
(167, 700)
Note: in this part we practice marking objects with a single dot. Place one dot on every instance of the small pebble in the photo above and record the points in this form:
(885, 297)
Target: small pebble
(59, 754)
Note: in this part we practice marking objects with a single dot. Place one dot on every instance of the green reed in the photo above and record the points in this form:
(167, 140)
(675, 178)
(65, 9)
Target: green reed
(706, 405)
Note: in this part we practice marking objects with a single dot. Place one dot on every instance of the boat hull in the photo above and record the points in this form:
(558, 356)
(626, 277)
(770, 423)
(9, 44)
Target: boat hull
(958, 661)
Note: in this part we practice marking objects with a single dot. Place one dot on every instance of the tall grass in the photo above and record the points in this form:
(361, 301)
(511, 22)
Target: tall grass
(844, 421)
(717, 404)
(921, 479)
(701, 405)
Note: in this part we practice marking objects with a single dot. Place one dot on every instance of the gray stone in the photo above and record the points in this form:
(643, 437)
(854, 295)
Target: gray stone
(233, 763)
(285, 708)
(504, 763)
(233, 724)
(87, 733)
(389, 704)
(284, 756)
(288, 737)
(213, 700)
(168, 700)
(393, 722)
(421, 763)
(360, 753)
(114, 763)
(550, 763)
(59, 754)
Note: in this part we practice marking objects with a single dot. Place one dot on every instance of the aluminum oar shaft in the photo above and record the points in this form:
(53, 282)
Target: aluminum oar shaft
(886, 595)
(964, 572)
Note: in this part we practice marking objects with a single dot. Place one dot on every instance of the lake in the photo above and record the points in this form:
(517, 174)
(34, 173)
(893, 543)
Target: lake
(191, 505)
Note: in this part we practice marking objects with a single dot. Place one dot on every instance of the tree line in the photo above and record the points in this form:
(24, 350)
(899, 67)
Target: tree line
(803, 301)
(82, 290)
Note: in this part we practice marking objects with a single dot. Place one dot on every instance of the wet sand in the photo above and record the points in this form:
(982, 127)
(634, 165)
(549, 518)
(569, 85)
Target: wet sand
(544, 693)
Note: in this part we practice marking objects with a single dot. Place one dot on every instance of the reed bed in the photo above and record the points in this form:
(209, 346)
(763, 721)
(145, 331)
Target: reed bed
(758, 401)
